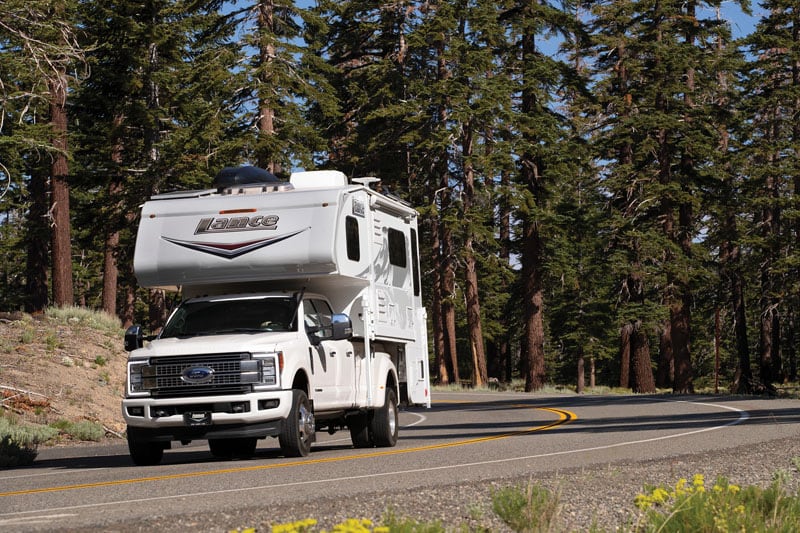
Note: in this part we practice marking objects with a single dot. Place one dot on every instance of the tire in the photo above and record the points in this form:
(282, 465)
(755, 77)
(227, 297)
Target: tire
(383, 425)
(243, 448)
(145, 453)
(359, 430)
(298, 430)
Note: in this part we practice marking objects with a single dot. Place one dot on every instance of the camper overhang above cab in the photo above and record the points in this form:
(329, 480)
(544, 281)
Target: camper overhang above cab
(252, 226)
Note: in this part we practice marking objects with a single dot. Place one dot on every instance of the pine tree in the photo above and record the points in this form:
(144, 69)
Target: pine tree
(534, 79)
(41, 36)
(773, 85)
(660, 77)
(162, 110)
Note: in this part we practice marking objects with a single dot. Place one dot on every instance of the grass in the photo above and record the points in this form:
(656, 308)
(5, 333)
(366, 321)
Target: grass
(86, 317)
(529, 508)
(82, 430)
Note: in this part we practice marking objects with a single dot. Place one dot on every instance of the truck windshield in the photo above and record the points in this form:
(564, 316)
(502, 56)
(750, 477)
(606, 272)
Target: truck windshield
(231, 315)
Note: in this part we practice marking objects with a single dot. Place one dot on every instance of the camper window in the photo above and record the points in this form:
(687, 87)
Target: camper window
(397, 248)
(351, 236)
(415, 261)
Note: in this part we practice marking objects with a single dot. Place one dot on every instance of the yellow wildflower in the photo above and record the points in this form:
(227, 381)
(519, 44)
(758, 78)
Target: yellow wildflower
(642, 501)
(659, 495)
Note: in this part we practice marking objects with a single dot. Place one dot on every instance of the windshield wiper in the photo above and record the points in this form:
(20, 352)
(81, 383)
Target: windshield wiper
(234, 330)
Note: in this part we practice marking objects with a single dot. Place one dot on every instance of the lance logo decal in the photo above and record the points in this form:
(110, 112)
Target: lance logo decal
(232, 250)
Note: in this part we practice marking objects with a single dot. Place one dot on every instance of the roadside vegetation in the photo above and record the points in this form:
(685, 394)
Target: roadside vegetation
(686, 506)
(19, 441)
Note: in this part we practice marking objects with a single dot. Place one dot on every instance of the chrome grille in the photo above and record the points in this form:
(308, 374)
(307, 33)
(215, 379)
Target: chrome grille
(233, 373)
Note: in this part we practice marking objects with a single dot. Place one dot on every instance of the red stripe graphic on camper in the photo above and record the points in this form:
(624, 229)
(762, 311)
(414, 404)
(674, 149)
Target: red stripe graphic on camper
(228, 250)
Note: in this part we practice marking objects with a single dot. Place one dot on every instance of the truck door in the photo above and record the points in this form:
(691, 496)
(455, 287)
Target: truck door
(332, 362)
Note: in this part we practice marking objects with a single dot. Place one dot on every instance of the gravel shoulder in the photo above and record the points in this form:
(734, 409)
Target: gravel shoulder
(602, 496)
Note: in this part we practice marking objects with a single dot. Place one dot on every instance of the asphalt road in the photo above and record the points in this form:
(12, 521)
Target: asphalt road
(463, 437)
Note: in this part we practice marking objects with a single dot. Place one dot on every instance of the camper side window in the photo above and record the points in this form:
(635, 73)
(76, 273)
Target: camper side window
(351, 236)
(397, 248)
(415, 261)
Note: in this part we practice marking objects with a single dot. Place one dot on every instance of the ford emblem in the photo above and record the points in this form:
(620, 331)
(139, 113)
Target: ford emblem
(197, 375)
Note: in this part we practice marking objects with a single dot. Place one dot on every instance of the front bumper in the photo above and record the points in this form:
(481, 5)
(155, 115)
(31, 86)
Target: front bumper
(258, 414)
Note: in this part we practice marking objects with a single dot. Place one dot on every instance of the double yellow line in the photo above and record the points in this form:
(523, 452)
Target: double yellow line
(564, 417)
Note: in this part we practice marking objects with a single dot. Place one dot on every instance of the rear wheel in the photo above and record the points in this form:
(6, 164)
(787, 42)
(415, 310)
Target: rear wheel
(145, 453)
(359, 430)
(243, 448)
(383, 425)
(298, 430)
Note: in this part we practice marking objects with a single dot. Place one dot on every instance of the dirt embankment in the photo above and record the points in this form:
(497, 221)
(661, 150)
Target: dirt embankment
(61, 369)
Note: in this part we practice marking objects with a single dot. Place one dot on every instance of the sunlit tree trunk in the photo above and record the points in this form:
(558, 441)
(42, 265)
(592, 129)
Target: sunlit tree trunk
(61, 248)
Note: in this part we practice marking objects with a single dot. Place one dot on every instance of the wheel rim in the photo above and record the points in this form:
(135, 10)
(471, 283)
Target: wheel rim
(392, 418)
(306, 423)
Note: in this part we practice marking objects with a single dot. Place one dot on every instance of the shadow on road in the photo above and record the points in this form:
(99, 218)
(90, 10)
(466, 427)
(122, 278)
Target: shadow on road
(680, 419)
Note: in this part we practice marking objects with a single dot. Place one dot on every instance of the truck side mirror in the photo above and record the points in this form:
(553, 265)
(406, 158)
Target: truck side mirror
(134, 338)
(342, 327)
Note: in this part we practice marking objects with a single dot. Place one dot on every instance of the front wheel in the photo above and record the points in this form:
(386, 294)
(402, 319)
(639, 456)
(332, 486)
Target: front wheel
(298, 430)
(383, 425)
(145, 453)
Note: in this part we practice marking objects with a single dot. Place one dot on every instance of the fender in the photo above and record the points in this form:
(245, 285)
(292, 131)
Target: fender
(384, 375)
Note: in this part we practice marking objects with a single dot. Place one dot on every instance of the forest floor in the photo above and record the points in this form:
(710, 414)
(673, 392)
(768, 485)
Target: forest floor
(56, 369)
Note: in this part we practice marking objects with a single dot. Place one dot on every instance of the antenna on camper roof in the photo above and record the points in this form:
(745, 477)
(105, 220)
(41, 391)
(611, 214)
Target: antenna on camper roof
(366, 182)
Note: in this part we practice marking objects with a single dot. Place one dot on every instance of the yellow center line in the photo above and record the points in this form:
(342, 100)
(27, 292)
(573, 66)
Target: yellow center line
(564, 417)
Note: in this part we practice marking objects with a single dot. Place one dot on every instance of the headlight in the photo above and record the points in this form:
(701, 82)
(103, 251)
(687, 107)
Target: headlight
(270, 369)
(136, 381)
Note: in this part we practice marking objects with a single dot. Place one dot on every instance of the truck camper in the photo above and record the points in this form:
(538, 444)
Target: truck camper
(301, 312)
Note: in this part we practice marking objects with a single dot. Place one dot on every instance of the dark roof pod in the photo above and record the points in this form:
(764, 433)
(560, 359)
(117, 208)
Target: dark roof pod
(231, 176)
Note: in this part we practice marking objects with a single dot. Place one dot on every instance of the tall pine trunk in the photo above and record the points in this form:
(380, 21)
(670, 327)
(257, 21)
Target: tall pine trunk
(448, 298)
(532, 247)
(445, 261)
(479, 371)
(61, 248)
(110, 272)
(681, 302)
(36, 242)
(111, 251)
(504, 346)
(665, 370)
(533, 314)
(625, 355)
(266, 111)
(439, 344)
(642, 381)
(768, 348)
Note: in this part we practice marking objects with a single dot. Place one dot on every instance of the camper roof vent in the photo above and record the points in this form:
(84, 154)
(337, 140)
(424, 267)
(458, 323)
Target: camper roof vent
(232, 176)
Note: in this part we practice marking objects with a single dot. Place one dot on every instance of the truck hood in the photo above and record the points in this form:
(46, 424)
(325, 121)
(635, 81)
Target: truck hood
(238, 342)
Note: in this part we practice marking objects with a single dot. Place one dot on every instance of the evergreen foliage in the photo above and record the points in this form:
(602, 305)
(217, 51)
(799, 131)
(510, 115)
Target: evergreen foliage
(604, 183)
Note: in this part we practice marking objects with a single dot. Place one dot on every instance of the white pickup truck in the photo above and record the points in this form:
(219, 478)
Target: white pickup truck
(302, 312)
